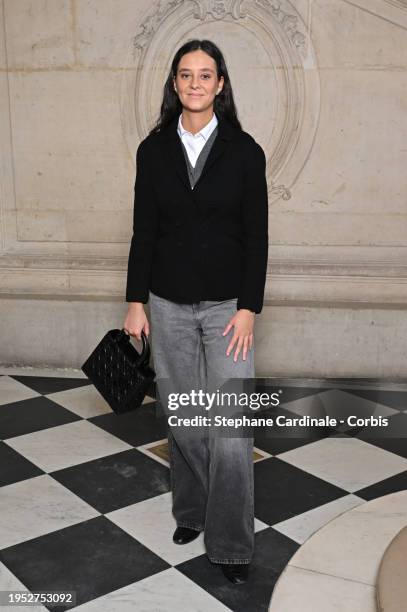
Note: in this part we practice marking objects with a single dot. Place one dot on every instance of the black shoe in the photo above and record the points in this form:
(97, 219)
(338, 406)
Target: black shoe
(236, 572)
(183, 535)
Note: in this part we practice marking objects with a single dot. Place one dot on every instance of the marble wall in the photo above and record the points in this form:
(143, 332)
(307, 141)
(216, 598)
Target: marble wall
(321, 84)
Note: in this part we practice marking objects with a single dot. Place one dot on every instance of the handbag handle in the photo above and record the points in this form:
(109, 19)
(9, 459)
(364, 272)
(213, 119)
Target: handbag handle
(145, 352)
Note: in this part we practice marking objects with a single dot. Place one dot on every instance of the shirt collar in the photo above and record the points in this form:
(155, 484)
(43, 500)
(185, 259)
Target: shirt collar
(205, 131)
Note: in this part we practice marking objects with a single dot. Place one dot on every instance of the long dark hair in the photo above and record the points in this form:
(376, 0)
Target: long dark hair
(223, 105)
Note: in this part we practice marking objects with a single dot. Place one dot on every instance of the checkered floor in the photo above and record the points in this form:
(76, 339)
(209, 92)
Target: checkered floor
(85, 498)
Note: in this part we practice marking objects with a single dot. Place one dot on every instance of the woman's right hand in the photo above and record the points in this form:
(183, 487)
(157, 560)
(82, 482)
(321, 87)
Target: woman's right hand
(136, 320)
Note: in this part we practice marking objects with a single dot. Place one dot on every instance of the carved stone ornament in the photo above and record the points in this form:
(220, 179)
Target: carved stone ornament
(274, 33)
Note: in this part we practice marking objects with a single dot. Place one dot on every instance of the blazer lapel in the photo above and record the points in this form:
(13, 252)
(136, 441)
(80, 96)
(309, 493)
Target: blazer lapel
(176, 159)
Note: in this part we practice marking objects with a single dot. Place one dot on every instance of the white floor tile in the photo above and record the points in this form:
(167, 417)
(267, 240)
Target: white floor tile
(48, 372)
(84, 401)
(301, 527)
(167, 591)
(65, 445)
(348, 463)
(339, 404)
(13, 391)
(151, 522)
(40, 505)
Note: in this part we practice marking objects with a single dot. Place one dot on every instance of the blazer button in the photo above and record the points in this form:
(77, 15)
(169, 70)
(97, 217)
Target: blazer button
(179, 243)
(204, 245)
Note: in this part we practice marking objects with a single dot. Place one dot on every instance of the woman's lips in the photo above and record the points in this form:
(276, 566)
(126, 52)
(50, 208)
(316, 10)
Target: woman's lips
(195, 95)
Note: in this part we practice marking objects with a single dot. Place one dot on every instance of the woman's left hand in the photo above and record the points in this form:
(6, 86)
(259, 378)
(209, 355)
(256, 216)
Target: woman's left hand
(243, 322)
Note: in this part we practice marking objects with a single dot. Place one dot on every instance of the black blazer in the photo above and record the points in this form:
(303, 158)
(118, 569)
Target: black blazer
(206, 243)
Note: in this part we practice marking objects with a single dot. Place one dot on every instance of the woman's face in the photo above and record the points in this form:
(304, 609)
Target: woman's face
(196, 81)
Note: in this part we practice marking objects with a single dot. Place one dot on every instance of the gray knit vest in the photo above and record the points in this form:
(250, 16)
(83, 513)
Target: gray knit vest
(195, 172)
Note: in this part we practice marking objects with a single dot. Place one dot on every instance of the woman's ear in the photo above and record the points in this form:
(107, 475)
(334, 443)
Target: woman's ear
(221, 84)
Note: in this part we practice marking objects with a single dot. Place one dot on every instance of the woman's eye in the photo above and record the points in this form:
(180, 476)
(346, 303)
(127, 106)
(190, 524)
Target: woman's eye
(205, 76)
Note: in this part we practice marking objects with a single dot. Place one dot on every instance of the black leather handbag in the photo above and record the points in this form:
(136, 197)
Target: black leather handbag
(119, 372)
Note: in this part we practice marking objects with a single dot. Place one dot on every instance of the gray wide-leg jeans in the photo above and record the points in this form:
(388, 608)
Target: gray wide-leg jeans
(211, 468)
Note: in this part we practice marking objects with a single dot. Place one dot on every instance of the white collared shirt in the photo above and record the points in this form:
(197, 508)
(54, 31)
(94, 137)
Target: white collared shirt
(194, 143)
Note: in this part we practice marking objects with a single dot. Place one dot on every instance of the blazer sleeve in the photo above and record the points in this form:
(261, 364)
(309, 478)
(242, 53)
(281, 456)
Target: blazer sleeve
(255, 231)
(145, 221)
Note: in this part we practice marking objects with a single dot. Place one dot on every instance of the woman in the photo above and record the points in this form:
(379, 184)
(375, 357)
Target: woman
(199, 254)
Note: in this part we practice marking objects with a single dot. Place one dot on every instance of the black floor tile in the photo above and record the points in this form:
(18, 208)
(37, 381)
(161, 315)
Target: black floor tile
(392, 399)
(137, 427)
(288, 394)
(282, 491)
(15, 467)
(395, 483)
(392, 438)
(273, 550)
(50, 384)
(115, 481)
(274, 446)
(275, 439)
(92, 558)
(34, 414)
